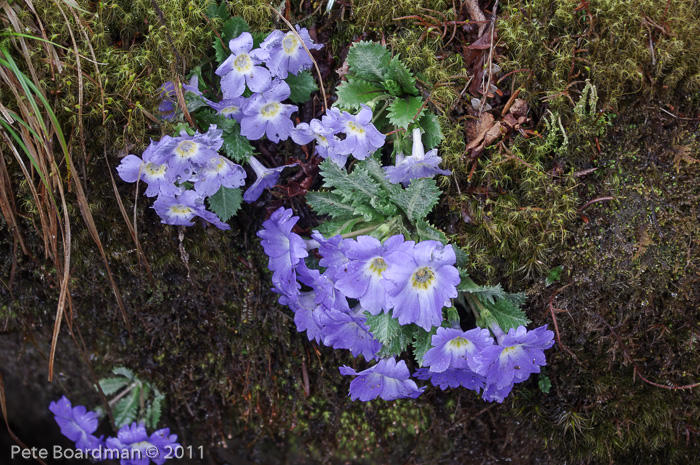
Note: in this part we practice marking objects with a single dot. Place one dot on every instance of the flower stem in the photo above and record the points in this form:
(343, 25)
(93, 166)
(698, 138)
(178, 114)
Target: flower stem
(358, 232)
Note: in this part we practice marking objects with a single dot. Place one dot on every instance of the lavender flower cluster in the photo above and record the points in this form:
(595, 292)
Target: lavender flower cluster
(168, 164)
(414, 282)
(133, 445)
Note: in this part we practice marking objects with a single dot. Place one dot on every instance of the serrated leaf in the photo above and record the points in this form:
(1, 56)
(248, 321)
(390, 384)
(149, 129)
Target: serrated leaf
(399, 74)
(544, 383)
(432, 132)
(194, 102)
(111, 385)
(418, 199)
(379, 175)
(154, 411)
(354, 186)
(123, 371)
(205, 118)
(327, 203)
(236, 146)
(383, 326)
(422, 342)
(428, 232)
(399, 343)
(126, 409)
(233, 27)
(215, 10)
(504, 313)
(225, 203)
(486, 293)
(368, 61)
(221, 51)
(354, 92)
(404, 111)
(301, 86)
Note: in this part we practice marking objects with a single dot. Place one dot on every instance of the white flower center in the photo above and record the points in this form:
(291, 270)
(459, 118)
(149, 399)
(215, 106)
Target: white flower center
(155, 171)
(187, 149)
(423, 278)
(377, 265)
(243, 63)
(459, 343)
(321, 140)
(180, 210)
(219, 166)
(270, 110)
(290, 44)
(355, 128)
(228, 111)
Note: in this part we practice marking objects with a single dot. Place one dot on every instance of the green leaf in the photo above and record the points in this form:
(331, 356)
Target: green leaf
(233, 27)
(125, 372)
(327, 203)
(383, 326)
(399, 343)
(215, 10)
(422, 342)
(154, 411)
(404, 111)
(504, 313)
(126, 409)
(418, 199)
(486, 293)
(194, 102)
(544, 383)
(368, 61)
(225, 203)
(432, 133)
(237, 147)
(554, 275)
(301, 86)
(221, 52)
(401, 76)
(111, 385)
(354, 92)
(452, 316)
(356, 186)
(341, 225)
(427, 232)
(205, 118)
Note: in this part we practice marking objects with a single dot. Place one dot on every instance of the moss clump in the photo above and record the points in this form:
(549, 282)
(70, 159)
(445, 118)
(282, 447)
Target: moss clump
(643, 47)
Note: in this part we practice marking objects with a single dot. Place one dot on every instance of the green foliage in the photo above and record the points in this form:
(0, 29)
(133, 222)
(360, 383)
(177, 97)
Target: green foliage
(354, 92)
(134, 399)
(422, 342)
(369, 61)
(404, 111)
(418, 199)
(225, 203)
(301, 86)
(236, 146)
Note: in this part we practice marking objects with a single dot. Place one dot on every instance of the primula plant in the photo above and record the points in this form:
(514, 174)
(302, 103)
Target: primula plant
(136, 405)
(375, 277)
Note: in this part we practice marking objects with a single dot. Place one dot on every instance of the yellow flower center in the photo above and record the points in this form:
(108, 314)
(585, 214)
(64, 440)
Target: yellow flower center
(228, 111)
(377, 265)
(186, 149)
(270, 110)
(154, 170)
(459, 342)
(180, 210)
(243, 63)
(423, 278)
(321, 140)
(290, 44)
(355, 128)
(220, 165)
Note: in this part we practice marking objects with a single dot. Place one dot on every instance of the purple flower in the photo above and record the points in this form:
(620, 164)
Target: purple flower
(217, 172)
(363, 275)
(453, 348)
(326, 141)
(265, 114)
(185, 153)
(287, 55)
(285, 249)
(230, 108)
(266, 178)
(452, 378)
(240, 68)
(333, 254)
(349, 331)
(387, 379)
(168, 105)
(421, 282)
(517, 355)
(76, 423)
(307, 313)
(157, 176)
(361, 137)
(135, 439)
(324, 287)
(418, 165)
(493, 394)
(181, 209)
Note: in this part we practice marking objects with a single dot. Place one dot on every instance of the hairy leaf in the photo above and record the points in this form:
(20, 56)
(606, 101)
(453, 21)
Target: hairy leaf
(368, 61)
(123, 371)
(383, 326)
(126, 409)
(398, 73)
(111, 385)
(432, 133)
(504, 313)
(404, 111)
(422, 342)
(486, 293)
(418, 199)
(328, 203)
(301, 86)
(225, 203)
(354, 92)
